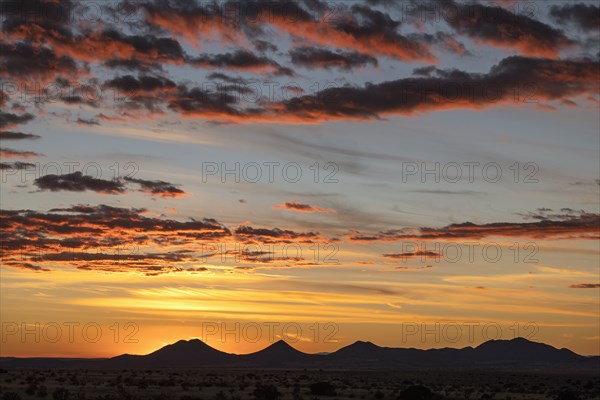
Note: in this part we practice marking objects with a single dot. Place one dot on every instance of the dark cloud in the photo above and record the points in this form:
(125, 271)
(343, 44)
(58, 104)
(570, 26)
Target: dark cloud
(585, 16)
(196, 101)
(8, 135)
(84, 121)
(8, 120)
(585, 286)
(267, 235)
(595, 182)
(61, 50)
(305, 208)
(567, 226)
(16, 165)
(132, 64)
(159, 48)
(374, 32)
(161, 188)
(77, 182)
(359, 27)
(111, 44)
(143, 91)
(54, 25)
(17, 62)
(131, 85)
(514, 80)
(37, 14)
(443, 41)
(27, 266)
(424, 71)
(312, 57)
(240, 60)
(529, 79)
(352, 35)
(549, 214)
(264, 46)
(226, 78)
(102, 219)
(190, 19)
(502, 28)
(412, 254)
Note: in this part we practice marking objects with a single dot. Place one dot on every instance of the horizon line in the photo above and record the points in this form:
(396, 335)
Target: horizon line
(193, 339)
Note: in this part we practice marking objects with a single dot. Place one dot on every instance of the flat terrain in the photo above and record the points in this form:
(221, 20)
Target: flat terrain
(291, 385)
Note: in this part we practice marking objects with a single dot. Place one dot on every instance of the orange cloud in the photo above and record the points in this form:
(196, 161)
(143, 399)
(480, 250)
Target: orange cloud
(112, 239)
(566, 226)
(12, 153)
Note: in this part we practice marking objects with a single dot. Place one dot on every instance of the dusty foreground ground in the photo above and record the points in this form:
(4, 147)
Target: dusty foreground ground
(291, 385)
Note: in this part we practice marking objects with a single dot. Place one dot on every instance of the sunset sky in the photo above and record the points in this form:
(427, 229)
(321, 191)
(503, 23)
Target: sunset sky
(416, 174)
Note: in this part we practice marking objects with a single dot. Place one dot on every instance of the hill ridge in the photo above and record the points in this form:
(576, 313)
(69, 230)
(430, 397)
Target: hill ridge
(519, 353)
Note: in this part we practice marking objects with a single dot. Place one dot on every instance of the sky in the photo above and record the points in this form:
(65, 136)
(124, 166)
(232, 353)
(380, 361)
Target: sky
(415, 174)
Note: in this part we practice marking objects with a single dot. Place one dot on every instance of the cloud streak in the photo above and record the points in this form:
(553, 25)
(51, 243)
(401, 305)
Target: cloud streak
(77, 182)
(160, 188)
(115, 239)
(585, 286)
(585, 16)
(9, 135)
(302, 208)
(12, 153)
(568, 226)
(313, 58)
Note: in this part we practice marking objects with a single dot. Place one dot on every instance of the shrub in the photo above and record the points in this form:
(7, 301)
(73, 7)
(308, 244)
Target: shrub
(322, 389)
(31, 389)
(60, 393)
(567, 394)
(266, 392)
(416, 392)
(42, 391)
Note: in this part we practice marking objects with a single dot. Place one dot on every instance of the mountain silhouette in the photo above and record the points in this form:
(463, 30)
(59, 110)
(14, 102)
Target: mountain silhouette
(279, 354)
(359, 348)
(182, 354)
(515, 354)
(523, 350)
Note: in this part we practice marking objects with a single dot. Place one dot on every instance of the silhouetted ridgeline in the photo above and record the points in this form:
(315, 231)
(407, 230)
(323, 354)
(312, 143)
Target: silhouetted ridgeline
(515, 354)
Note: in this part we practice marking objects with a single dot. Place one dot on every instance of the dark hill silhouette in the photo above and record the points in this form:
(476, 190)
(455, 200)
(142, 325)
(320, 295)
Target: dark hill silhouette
(523, 350)
(365, 353)
(370, 355)
(360, 348)
(515, 354)
(182, 354)
(279, 354)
